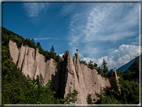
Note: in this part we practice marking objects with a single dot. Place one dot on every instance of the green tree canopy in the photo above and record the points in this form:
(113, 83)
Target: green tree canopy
(136, 67)
(128, 75)
(38, 44)
(104, 66)
(90, 64)
(120, 73)
(52, 49)
(95, 65)
(75, 54)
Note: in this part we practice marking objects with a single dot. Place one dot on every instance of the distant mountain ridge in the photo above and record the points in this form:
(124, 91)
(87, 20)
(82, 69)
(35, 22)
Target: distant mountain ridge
(128, 66)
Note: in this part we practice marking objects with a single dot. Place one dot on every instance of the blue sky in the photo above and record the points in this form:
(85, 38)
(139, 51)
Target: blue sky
(97, 30)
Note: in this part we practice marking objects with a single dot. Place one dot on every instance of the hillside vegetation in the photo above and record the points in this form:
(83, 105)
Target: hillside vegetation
(127, 92)
(19, 89)
(8, 35)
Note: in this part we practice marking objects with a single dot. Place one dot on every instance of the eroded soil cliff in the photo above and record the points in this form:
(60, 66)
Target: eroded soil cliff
(65, 76)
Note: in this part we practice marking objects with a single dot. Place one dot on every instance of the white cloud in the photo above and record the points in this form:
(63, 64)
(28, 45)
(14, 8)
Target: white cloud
(134, 41)
(97, 30)
(67, 8)
(61, 54)
(33, 9)
(118, 57)
(102, 19)
(43, 38)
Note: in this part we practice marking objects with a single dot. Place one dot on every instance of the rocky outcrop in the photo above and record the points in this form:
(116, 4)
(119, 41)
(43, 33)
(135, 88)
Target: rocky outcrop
(14, 51)
(31, 62)
(70, 77)
(80, 78)
(65, 76)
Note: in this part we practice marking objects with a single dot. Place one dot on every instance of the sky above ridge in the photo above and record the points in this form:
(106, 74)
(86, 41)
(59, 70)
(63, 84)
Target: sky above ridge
(97, 30)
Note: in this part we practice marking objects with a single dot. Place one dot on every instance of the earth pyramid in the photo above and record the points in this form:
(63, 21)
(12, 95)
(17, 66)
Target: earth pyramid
(65, 76)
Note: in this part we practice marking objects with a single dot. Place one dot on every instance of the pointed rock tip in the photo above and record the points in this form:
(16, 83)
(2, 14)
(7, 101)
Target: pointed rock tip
(68, 54)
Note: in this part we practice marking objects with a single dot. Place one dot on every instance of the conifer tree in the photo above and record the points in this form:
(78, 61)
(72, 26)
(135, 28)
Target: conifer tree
(104, 66)
(52, 49)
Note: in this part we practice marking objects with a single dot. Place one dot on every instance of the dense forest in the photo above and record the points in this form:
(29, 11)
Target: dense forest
(19, 89)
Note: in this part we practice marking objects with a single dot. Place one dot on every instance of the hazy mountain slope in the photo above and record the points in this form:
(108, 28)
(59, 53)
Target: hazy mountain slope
(126, 66)
(129, 66)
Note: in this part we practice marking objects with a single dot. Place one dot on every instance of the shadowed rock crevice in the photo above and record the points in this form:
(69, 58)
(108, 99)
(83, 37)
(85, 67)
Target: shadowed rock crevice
(64, 75)
(22, 65)
(23, 62)
(75, 62)
(26, 50)
(58, 81)
(18, 59)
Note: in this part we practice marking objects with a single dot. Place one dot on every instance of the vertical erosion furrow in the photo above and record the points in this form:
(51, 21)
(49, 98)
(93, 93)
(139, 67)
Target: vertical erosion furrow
(35, 67)
(18, 58)
(27, 50)
(27, 60)
(23, 60)
(64, 77)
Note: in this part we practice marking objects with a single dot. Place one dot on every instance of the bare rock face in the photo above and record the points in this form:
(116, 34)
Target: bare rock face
(65, 77)
(31, 62)
(71, 80)
(21, 55)
(80, 78)
(40, 64)
(14, 52)
(94, 81)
